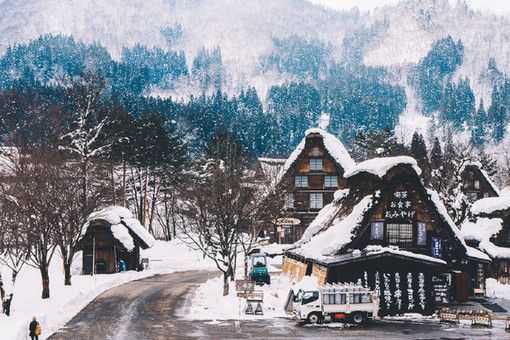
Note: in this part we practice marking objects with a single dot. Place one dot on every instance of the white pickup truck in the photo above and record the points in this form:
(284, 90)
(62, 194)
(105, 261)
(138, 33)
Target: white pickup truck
(335, 302)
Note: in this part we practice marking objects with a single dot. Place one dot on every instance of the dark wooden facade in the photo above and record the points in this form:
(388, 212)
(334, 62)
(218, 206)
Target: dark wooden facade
(108, 251)
(310, 184)
(475, 183)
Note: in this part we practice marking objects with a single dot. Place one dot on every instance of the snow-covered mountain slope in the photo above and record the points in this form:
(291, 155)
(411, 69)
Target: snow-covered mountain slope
(414, 25)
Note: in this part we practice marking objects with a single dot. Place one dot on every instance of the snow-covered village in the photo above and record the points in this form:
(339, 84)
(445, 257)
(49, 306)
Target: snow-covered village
(262, 169)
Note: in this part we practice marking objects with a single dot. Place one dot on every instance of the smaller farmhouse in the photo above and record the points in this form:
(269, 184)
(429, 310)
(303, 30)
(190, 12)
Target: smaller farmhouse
(489, 229)
(476, 183)
(111, 241)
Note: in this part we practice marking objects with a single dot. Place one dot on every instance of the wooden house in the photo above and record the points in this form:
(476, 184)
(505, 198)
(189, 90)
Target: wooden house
(393, 234)
(476, 183)
(112, 237)
(489, 230)
(310, 176)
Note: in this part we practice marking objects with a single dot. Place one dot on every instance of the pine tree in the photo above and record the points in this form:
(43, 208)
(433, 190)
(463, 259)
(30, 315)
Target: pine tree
(478, 129)
(419, 152)
(436, 155)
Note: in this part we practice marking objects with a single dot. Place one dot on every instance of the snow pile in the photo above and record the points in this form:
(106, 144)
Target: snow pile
(374, 249)
(333, 146)
(380, 166)
(307, 283)
(121, 216)
(67, 301)
(338, 234)
(490, 204)
(495, 289)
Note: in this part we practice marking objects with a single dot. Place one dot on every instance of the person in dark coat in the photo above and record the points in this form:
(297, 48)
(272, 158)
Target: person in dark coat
(33, 329)
(2, 291)
(7, 305)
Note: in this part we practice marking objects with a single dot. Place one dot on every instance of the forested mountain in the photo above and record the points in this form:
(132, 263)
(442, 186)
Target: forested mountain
(264, 70)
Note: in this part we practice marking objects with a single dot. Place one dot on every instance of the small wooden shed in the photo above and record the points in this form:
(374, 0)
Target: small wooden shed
(111, 240)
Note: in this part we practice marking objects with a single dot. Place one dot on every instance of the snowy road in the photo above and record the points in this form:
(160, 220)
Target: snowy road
(147, 309)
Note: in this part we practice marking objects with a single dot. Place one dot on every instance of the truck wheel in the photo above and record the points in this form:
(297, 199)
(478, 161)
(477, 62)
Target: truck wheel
(268, 281)
(358, 318)
(313, 318)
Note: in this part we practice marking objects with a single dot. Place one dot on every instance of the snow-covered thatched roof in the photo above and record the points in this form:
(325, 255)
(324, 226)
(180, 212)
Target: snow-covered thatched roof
(380, 166)
(122, 221)
(333, 146)
(484, 174)
(489, 205)
(482, 229)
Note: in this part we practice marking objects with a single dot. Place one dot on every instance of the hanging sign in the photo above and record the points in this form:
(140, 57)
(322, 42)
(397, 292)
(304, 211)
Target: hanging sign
(436, 247)
(287, 221)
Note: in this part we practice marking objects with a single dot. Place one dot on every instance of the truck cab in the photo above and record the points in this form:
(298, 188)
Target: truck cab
(339, 302)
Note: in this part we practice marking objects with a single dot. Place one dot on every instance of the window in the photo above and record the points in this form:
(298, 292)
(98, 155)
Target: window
(316, 164)
(330, 182)
(377, 230)
(289, 201)
(401, 234)
(477, 184)
(301, 181)
(316, 201)
(421, 237)
(310, 297)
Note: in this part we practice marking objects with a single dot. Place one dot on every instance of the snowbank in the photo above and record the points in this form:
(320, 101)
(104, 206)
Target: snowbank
(483, 229)
(497, 290)
(380, 166)
(67, 301)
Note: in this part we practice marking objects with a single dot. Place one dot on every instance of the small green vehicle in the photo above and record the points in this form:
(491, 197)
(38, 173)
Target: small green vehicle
(258, 272)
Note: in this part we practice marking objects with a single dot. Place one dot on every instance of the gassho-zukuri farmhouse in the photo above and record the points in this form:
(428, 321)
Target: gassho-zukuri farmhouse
(375, 222)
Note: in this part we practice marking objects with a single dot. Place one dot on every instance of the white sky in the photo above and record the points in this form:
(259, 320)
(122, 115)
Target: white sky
(497, 6)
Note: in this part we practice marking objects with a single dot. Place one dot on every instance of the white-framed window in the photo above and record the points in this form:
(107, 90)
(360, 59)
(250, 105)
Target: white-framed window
(401, 234)
(477, 184)
(289, 201)
(316, 200)
(301, 181)
(316, 164)
(330, 182)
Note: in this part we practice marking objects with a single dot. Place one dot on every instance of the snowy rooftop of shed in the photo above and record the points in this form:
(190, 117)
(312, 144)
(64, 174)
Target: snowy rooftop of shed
(121, 219)
(381, 165)
(332, 144)
(482, 230)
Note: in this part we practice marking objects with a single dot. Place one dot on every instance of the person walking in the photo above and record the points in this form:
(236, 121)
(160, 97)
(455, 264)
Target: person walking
(34, 329)
(2, 295)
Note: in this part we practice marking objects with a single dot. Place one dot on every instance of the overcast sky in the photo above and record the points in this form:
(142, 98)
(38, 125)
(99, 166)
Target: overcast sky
(497, 6)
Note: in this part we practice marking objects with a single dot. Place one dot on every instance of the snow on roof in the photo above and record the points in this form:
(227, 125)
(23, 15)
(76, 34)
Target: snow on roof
(121, 233)
(324, 217)
(441, 210)
(116, 215)
(331, 240)
(477, 254)
(490, 204)
(375, 249)
(482, 229)
(483, 172)
(332, 144)
(271, 166)
(380, 166)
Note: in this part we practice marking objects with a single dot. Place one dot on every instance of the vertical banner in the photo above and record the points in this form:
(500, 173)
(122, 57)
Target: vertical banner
(436, 247)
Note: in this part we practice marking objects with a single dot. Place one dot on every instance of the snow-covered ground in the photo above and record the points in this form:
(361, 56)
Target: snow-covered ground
(208, 302)
(65, 301)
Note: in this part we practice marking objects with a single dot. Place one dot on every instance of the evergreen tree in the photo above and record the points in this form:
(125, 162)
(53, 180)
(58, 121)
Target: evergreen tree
(419, 152)
(478, 129)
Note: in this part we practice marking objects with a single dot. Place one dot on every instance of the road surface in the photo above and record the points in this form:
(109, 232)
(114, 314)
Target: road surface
(148, 309)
